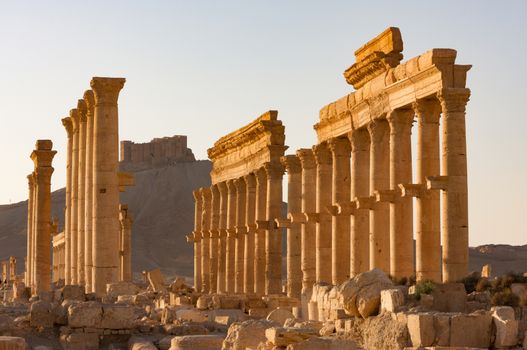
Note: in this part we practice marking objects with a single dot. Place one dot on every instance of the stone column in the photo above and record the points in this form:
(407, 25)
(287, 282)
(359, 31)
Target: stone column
(340, 248)
(231, 237)
(105, 199)
(125, 219)
(206, 260)
(68, 125)
(323, 230)
(74, 218)
(379, 180)
(241, 231)
(259, 238)
(250, 223)
(273, 237)
(12, 268)
(427, 235)
(294, 231)
(88, 197)
(455, 193)
(42, 157)
(222, 242)
(214, 251)
(360, 187)
(82, 109)
(308, 229)
(198, 213)
(30, 217)
(33, 242)
(401, 208)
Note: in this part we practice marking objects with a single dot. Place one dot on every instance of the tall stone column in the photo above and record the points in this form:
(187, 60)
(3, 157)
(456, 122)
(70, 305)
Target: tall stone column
(125, 219)
(259, 239)
(324, 199)
(68, 125)
(379, 180)
(198, 213)
(428, 221)
(34, 242)
(206, 228)
(30, 216)
(231, 237)
(241, 230)
(273, 237)
(340, 248)
(42, 157)
(455, 192)
(360, 187)
(12, 268)
(401, 208)
(74, 218)
(82, 109)
(105, 223)
(250, 223)
(308, 229)
(214, 251)
(88, 196)
(294, 231)
(222, 242)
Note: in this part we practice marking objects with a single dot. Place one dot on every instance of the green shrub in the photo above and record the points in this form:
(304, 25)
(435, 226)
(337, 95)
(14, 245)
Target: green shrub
(505, 298)
(483, 285)
(423, 287)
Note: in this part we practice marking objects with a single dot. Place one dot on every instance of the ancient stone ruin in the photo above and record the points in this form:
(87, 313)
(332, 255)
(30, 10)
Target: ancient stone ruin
(349, 280)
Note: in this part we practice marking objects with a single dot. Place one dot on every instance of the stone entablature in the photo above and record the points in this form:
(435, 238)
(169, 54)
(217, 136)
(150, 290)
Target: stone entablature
(158, 152)
(248, 149)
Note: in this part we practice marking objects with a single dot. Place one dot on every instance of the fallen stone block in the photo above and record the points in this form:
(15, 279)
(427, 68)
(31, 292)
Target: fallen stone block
(258, 312)
(421, 329)
(113, 290)
(324, 344)
(12, 343)
(80, 341)
(192, 315)
(179, 299)
(193, 342)
(391, 299)
(280, 316)
(204, 302)
(247, 334)
(442, 329)
(117, 316)
(137, 343)
(449, 297)
(86, 314)
(472, 330)
(227, 315)
(41, 315)
(157, 280)
(73, 292)
(506, 327)
(279, 336)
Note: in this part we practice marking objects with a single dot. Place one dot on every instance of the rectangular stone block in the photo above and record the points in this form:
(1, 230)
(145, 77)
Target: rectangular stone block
(73, 292)
(156, 280)
(87, 314)
(473, 330)
(450, 297)
(442, 329)
(41, 315)
(80, 341)
(12, 343)
(421, 329)
(280, 336)
(117, 316)
(391, 300)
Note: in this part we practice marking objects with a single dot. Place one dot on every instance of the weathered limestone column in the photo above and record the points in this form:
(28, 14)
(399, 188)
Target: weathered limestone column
(360, 187)
(33, 242)
(259, 239)
(294, 231)
(105, 223)
(340, 240)
(250, 224)
(88, 197)
(231, 237)
(427, 236)
(68, 125)
(198, 213)
(82, 109)
(74, 218)
(214, 251)
(379, 180)
(42, 157)
(206, 260)
(125, 219)
(222, 242)
(323, 231)
(455, 192)
(12, 268)
(308, 229)
(273, 237)
(401, 208)
(30, 217)
(241, 231)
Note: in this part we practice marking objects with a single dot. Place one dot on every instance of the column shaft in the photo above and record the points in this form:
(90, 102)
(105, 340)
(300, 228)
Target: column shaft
(74, 218)
(88, 197)
(222, 247)
(273, 237)
(241, 193)
(67, 213)
(206, 228)
(198, 213)
(81, 107)
(125, 220)
(214, 238)
(30, 179)
(250, 224)
(231, 237)
(259, 239)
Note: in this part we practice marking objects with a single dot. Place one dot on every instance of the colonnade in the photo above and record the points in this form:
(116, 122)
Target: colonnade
(8, 270)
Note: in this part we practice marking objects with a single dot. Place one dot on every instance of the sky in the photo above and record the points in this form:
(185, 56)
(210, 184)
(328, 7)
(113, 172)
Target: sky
(206, 68)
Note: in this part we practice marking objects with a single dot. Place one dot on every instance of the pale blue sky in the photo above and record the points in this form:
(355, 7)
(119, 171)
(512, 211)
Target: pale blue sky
(205, 68)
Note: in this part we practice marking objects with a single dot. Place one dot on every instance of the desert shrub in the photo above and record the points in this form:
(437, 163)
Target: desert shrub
(471, 282)
(483, 285)
(424, 287)
(504, 298)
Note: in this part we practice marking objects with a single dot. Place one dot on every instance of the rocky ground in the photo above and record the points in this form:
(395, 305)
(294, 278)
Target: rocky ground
(369, 311)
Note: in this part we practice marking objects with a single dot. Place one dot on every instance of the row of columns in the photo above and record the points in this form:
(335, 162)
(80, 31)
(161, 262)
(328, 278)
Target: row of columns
(38, 260)
(237, 245)
(93, 230)
(350, 208)
(8, 270)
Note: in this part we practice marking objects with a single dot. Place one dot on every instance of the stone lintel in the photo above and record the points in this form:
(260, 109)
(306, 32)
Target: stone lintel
(437, 183)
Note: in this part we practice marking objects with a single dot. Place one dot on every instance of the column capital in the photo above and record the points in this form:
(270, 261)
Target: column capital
(260, 175)
(106, 90)
(197, 194)
(89, 99)
(75, 120)
(377, 130)
(31, 180)
(231, 186)
(240, 185)
(43, 174)
(322, 154)
(306, 157)
(339, 146)
(68, 125)
(43, 154)
(206, 193)
(250, 179)
(83, 110)
(222, 188)
(291, 164)
(400, 120)
(453, 99)
(274, 170)
(359, 139)
(427, 110)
